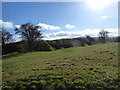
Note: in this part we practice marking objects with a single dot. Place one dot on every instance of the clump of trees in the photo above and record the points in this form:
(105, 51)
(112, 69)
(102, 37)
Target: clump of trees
(83, 41)
(62, 43)
(6, 38)
(103, 36)
(32, 40)
(29, 33)
(90, 40)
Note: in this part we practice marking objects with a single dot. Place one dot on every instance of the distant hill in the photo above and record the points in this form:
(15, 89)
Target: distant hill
(50, 45)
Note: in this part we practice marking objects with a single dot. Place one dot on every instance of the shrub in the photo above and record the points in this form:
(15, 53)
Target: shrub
(41, 46)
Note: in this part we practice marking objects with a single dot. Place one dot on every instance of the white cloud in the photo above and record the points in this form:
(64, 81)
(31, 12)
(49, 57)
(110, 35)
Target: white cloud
(49, 27)
(17, 26)
(69, 26)
(71, 34)
(104, 17)
(113, 32)
(17, 38)
(6, 25)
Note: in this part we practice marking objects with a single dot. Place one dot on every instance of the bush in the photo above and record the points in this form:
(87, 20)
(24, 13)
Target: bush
(41, 46)
(55, 44)
(23, 47)
(58, 44)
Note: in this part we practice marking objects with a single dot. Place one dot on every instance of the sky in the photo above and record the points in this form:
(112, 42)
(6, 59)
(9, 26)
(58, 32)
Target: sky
(62, 19)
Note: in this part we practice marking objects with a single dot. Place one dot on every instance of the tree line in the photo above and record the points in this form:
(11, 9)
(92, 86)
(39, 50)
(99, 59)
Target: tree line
(32, 40)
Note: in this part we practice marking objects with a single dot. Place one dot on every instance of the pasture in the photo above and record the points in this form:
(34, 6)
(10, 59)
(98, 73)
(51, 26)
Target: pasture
(94, 66)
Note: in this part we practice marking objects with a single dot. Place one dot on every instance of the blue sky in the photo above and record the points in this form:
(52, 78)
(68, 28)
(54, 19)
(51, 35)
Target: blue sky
(62, 19)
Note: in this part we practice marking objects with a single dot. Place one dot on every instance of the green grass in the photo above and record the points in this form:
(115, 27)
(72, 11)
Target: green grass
(94, 66)
(11, 55)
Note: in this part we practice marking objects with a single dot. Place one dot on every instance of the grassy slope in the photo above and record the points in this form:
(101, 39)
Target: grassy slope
(91, 63)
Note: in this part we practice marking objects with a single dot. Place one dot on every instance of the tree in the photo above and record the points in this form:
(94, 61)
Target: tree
(90, 40)
(82, 41)
(6, 37)
(103, 36)
(29, 32)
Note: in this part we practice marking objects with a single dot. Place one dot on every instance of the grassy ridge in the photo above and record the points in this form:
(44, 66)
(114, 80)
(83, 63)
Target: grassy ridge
(93, 66)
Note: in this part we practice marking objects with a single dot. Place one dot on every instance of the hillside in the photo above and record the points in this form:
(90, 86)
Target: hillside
(94, 66)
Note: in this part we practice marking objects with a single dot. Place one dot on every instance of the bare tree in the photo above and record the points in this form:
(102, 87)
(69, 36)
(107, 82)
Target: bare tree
(6, 37)
(103, 36)
(90, 40)
(30, 33)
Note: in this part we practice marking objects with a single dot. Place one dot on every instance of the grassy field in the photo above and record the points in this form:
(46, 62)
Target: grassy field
(94, 66)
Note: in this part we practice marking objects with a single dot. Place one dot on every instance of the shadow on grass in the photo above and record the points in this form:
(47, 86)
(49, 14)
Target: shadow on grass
(15, 54)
